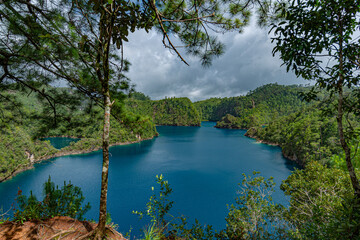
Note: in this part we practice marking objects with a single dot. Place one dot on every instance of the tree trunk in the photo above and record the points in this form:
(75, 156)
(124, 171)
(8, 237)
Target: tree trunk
(339, 118)
(345, 146)
(104, 77)
(100, 230)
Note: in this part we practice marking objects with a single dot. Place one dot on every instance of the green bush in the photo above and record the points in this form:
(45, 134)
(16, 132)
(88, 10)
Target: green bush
(165, 226)
(322, 204)
(255, 215)
(66, 201)
(3, 216)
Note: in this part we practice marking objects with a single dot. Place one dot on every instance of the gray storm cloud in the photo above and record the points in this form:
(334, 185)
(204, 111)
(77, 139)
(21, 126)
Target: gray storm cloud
(246, 64)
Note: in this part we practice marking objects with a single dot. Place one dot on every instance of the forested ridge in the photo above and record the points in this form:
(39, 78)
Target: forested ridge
(258, 107)
(272, 114)
(168, 111)
(25, 119)
(279, 115)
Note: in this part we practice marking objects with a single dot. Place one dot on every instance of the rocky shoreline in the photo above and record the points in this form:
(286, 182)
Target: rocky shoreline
(61, 153)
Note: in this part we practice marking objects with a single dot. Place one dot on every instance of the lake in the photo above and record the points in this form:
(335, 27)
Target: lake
(60, 142)
(202, 164)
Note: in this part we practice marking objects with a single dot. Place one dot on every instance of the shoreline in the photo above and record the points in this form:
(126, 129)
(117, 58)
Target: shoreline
(251, 133)
(234, 128)
(97, 148)
(293, 159)
(61, 136)
(60, 153)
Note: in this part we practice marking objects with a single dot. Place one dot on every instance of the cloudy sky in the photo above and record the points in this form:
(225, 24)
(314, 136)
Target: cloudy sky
(247, 64)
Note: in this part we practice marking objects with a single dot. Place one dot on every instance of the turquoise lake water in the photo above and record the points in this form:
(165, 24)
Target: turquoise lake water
(60, 142)
(202, 164)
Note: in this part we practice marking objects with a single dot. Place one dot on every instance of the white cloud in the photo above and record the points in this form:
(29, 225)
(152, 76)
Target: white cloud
(247, 63)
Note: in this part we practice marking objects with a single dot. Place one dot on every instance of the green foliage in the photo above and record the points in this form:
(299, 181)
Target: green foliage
(319, 41)
(3, 216)
(158, 206)
(229, 121)
(303, 136)
(18, 149)
(257, 108)
(139, 96)
(53, 41)
(275, 114)
(110, 223)
(255, 215)
(182, 230)
(168, 111)
(153, 233)
(338, 161)
(209, 109)
(322, 204)
(165, 226)
(24, 123)
(315, 32)
(66, 201)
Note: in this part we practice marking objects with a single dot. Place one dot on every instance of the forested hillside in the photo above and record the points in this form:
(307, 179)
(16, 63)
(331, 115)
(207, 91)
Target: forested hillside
(276, 114)
(168, 111)
(256, 108)
(303, 136)
(25, 118)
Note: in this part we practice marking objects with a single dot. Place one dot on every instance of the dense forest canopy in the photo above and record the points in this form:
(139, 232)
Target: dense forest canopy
(262, 103)
(318, 41)
(168, 111)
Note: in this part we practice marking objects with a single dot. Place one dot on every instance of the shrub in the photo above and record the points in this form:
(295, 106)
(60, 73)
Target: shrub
(322, 204)
(3, 216)
(255, 215)
(165, 226)
(66, 201)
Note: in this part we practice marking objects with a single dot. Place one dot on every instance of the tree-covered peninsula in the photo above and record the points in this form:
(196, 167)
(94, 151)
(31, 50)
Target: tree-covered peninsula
(278, 115)
(25, 119)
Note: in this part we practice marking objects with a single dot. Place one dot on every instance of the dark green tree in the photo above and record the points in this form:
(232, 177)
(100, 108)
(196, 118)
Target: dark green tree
(67, 200)
(318, 41)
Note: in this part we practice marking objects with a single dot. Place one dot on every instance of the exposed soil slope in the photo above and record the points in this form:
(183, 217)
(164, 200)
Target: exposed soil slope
(64, 228)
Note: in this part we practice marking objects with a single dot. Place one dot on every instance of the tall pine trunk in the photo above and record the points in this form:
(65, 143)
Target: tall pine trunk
(105, 29)
(105, 169)
(339, 118)
(345, 146)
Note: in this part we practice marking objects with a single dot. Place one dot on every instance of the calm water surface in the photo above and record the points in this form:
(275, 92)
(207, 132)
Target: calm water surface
(203, 165)
(60, 142)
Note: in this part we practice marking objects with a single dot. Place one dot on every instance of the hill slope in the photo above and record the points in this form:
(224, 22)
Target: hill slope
(168, 111)
(24, 119)
(256, 108)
